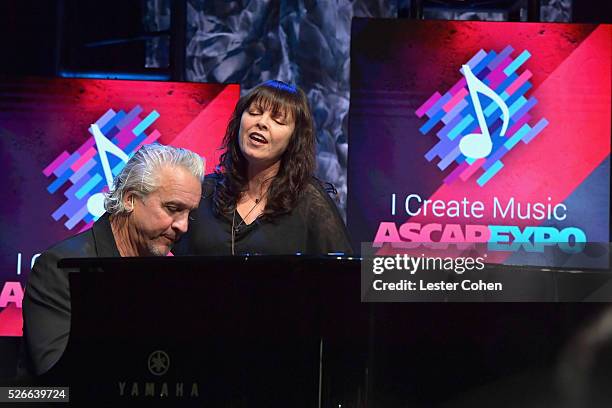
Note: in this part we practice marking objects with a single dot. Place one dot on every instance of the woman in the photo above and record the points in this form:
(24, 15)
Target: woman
(263, 198)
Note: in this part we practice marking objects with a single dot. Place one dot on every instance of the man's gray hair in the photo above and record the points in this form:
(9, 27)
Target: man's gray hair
(140, 174)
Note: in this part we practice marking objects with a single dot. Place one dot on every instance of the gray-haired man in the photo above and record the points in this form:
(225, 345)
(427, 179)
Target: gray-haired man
(146, 212)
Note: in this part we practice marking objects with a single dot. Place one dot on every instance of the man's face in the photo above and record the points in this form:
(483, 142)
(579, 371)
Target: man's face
(160, 218)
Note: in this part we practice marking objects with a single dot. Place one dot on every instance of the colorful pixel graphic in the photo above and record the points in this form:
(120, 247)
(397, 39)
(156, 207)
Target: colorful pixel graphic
(456, 111)
(84, 169)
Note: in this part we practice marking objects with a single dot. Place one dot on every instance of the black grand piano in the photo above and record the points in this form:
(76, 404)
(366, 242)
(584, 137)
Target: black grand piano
(292, 331)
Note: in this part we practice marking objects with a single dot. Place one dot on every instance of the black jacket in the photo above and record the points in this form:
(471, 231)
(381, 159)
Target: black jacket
(46, 304)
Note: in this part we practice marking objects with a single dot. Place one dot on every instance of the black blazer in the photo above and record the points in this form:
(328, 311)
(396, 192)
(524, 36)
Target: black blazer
(46, 304)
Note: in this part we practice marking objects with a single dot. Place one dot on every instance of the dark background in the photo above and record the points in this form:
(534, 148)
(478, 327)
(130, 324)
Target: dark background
(155, 40)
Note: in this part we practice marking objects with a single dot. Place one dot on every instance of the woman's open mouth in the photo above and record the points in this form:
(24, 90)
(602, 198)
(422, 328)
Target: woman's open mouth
(257, 138)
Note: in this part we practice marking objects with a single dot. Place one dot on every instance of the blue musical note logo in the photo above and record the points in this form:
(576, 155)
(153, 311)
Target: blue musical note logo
(492, 88)
(83, 174)
(478, 145)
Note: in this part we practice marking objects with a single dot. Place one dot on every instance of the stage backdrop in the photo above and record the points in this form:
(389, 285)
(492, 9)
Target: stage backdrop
(55, 165)
(486, 132)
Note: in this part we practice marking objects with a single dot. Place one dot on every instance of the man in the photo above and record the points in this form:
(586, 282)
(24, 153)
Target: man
(147, 211)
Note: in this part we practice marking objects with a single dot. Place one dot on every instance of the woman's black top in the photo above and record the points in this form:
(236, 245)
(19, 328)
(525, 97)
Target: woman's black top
(313, 227)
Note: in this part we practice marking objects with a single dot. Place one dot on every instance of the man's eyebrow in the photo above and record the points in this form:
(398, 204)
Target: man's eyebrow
(181, 205)
(175, 203)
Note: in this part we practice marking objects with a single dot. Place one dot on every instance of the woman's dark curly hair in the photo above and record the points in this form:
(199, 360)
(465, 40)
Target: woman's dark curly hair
(297, 164)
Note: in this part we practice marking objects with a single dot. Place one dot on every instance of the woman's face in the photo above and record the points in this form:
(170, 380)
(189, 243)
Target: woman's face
(263, 136)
